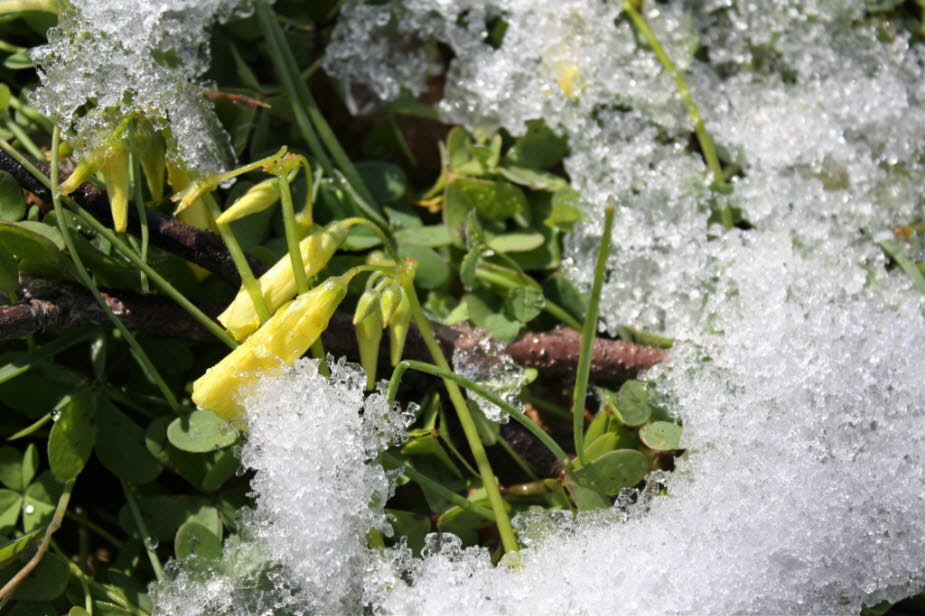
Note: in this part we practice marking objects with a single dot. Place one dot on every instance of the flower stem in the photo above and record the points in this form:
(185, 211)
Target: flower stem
(143, 530)
(142, 219)
(587, 338)
(138, 352)
(292, 233)
(161, 282)
(505, 530)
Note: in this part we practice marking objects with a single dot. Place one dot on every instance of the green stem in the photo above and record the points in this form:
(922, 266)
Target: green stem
(309, 118)
(505, 530)
(95, 528)
(382, 235)
(13, 367)
(161, 282)
(248, 281)
(142, 218)
(292, 233)
(549, 306)
(587, 339)
(143, 529)
(703, 136)
(447, 375)
(24, 139)
(544, 405)
(110, 592)
(138, 353)
(32, 115)
(424, 481)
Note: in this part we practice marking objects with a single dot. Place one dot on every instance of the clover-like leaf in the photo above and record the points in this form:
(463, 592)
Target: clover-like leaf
(201, 431)
(524, 303)
(632, 404)
(120, 446)
(661, 435)
(71, 439)
(194, 539)
(613, 471)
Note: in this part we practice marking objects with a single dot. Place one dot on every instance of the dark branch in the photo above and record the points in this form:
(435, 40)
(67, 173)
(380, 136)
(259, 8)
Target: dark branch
(198, 246)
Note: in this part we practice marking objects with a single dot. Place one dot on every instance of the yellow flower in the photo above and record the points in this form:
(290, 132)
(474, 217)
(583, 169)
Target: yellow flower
(115, 173)
(278, 284)
(257, 198)
(369, 336)
(81, 173)
(398, 329)
(277, 344)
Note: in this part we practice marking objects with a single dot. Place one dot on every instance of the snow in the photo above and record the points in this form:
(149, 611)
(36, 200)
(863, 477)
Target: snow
(106, 60)
(798, 366)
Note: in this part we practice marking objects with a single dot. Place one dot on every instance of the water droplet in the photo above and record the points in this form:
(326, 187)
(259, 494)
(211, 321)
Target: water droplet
(55, 415)
(29, 509)
(151, 543)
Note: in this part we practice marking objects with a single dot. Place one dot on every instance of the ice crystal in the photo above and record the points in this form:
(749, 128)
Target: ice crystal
(488, 365)
(106, 60)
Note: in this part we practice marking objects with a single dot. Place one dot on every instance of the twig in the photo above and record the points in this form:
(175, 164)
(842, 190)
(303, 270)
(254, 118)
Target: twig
(198, 246)
(10, 587)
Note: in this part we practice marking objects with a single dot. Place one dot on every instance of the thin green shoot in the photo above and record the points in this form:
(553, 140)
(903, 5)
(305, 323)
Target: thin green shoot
(503, 521)
(143, 530)
(587, 338)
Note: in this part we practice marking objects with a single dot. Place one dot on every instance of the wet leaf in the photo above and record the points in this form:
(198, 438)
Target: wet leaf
(661, 435)
(71, 439)
(632, 404)
(194, 539)
(201, 431)
(613, 471)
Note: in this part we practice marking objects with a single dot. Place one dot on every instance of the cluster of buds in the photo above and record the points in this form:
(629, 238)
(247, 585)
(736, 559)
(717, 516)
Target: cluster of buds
(134, 135)
(384, 303)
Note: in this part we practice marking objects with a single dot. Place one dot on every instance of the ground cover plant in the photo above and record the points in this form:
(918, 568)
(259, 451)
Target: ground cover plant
(651, 276)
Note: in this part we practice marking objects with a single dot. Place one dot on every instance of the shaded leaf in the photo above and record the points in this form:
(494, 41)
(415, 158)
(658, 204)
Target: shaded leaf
(120, 446)
(613, 471)
(11, 549)
(46, 582)
(40, 500)
(539, 148)
(387, 182)
(632, 404)
(71, 439)
(524, 303)
(194, 539)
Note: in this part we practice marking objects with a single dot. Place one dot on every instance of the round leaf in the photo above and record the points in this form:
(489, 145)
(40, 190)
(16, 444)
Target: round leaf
(45, 583)
(613, 471)
(633, 407)
(524, 303)
(40, 501)
(661, 435)
(201, 431)
(12, 203)
(72, 436)
(194, 539)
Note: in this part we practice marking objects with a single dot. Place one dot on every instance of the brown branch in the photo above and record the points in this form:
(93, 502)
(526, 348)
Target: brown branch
(198, 246)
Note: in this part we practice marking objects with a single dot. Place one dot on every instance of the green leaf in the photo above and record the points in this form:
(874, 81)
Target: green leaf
(201, 431)
(561, 290)
(463, 523)
(601, 445)
(524, 303)
(427, 443)
(220, 469)
(468, 267)
(32, 244)
(48, 581)
(12, 202)
(9, 273)
(164, 514)
(632, 404)
(77, 611)
(71, 439)
(18, 60)
(433, 270)
(9, 550)
(40, 500)
(565, 210)
(661, 435)
(531, 178)
(413, 526)
(10, 505)
(11, 468)
(120, 446)
(492, 200)
(486, 312)
(516, 242)
(586, 499)
(539, 148)
(613, 471)
(386, 181)
(430, 236)
(194, 539)
(457, 147)
(892, 249)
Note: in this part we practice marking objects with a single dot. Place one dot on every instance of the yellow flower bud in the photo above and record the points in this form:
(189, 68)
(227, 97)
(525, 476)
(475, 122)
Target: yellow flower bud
(152, 152)
(197, 214)
(283, 339)
(258, 198)
(388, 302)
(398, 329)
(278, 284)
(369, 336)
(365, 305)
(115, 173)
(83, 170)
